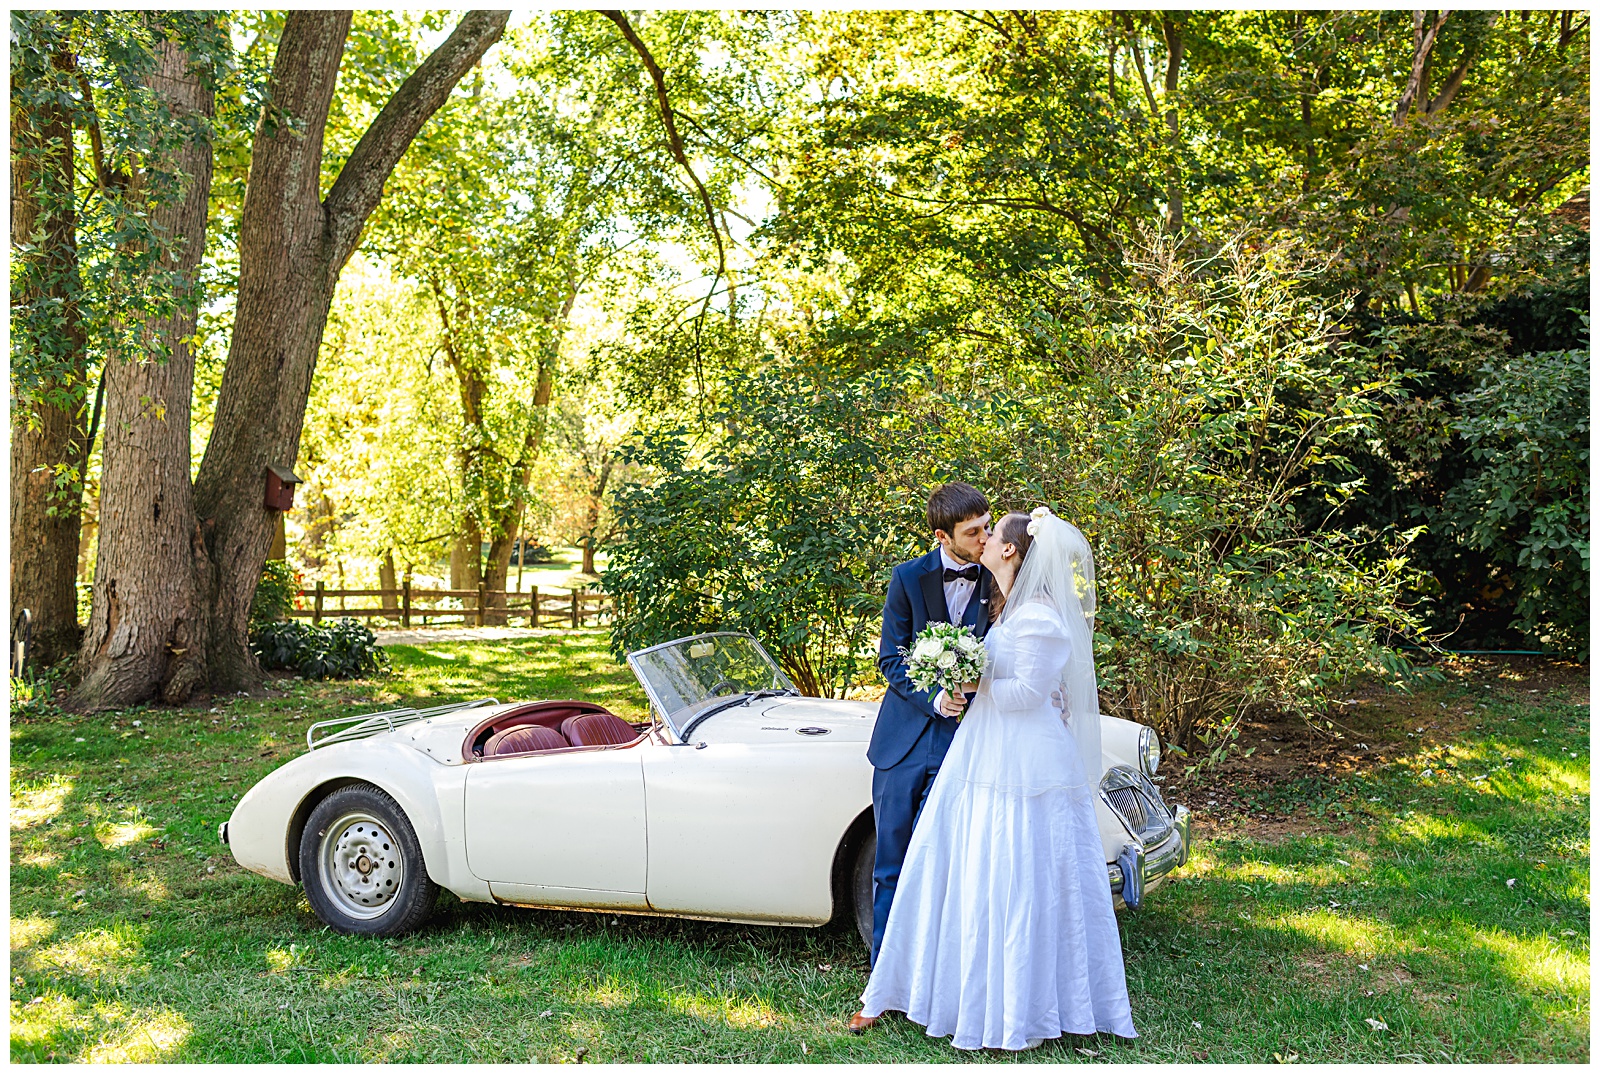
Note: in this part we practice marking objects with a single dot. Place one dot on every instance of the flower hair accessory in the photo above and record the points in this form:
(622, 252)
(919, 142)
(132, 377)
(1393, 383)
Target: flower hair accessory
(1036, 514)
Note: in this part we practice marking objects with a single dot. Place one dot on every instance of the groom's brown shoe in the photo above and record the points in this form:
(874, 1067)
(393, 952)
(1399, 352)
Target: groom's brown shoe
(860, 1023)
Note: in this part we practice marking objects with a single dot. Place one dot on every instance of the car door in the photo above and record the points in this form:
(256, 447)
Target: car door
(748, 832)
(560, 829)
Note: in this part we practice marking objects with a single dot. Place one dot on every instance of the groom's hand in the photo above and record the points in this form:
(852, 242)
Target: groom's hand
(946, 705)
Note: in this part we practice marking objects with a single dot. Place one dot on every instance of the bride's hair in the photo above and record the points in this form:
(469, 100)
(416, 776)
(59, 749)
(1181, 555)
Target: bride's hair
(1013, 529)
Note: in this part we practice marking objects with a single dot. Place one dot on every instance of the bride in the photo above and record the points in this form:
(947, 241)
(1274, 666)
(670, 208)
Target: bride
(1002, 933)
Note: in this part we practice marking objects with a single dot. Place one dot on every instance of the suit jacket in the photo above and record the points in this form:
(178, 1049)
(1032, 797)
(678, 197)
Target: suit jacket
(916, 595)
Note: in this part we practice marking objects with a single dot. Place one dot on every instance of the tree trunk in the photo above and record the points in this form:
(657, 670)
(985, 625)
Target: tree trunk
(504, 526)
(292, 248)
(386, 582)
(1172, 34)
(588, 554)
(494, 578)
(466, 561)
(48, 432)
(145, 634)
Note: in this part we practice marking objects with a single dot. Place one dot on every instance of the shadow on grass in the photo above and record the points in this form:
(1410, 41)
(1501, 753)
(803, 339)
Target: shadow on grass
(135, 938)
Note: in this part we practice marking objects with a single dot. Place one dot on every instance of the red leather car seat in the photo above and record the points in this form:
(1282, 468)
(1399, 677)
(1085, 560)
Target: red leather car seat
(598, 729)
(529, 738)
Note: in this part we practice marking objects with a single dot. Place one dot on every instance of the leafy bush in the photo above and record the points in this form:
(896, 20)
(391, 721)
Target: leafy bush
(533, 552)
(274, 593)
(1194, 425)
(344, 650)
(1526, 499)
(778, 530)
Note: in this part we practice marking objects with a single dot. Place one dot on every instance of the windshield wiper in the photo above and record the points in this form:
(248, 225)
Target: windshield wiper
(732, 702)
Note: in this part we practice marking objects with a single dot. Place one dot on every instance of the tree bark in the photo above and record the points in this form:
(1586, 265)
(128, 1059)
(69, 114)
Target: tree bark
(386, 582)
(293, 247)
(504, 526)
(1172, 34)
(144, 628)
(1422, 41)
(48, 432)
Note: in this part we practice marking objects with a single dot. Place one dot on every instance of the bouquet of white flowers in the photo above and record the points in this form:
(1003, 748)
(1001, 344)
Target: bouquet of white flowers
(945, 656)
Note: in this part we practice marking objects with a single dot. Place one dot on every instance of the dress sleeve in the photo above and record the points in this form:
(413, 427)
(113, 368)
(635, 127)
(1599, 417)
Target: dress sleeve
(1041, 655)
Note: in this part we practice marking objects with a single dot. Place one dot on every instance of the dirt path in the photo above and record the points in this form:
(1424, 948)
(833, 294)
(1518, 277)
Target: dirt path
(1370, 726)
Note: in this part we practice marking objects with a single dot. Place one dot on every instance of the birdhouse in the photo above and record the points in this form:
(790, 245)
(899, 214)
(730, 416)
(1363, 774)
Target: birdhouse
(280, 488)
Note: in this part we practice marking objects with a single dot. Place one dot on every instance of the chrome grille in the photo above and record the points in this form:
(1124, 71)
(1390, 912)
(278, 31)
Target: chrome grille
(1136, 800)
(1126, 800)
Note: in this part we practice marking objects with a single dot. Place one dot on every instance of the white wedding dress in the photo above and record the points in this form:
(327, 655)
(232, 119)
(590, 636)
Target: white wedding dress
(1002, 932)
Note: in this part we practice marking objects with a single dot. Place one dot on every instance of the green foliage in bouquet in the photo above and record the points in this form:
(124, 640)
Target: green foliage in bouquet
(945, 656)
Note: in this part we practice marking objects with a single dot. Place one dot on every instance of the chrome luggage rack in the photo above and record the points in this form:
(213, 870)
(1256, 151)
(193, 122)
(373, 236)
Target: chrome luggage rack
(377, 723)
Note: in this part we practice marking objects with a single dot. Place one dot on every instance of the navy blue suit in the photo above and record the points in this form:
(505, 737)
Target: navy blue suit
(910, 739)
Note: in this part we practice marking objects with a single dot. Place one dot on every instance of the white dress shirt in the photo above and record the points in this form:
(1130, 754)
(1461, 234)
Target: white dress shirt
(957, 594)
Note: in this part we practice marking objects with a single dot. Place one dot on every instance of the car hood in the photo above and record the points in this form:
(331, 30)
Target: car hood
(788, 720)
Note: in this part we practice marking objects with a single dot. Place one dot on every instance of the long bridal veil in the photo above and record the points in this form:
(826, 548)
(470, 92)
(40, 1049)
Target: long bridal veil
(1059, 573)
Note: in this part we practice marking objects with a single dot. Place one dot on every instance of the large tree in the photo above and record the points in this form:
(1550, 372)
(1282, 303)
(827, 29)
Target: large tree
(49, 428)
(146, 557)
(293, 243)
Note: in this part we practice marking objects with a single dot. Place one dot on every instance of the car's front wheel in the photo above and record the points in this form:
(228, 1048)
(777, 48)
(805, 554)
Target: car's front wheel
(362, 865)
(861, 886)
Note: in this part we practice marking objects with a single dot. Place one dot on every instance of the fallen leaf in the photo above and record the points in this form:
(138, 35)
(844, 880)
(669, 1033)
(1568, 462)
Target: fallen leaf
(1085, 1051)
(1378, 1024)
(1511, 883)
(1195, 1024)
(1362, 966)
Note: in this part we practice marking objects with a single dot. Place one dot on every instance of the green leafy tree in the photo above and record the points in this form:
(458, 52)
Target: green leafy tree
(1525, 500)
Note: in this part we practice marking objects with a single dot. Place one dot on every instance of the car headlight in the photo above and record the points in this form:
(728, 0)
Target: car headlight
(1149, 750)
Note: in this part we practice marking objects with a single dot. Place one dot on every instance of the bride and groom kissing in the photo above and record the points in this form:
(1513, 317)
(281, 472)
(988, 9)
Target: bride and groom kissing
(992, 916)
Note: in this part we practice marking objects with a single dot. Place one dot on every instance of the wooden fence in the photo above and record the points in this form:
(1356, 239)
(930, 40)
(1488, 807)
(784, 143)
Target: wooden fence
(571, 608)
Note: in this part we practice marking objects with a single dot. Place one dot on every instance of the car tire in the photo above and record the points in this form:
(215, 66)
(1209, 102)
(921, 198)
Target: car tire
(362, 865)
(861, 885)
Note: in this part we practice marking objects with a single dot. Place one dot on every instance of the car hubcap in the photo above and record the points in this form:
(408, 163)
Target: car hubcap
(362, 867)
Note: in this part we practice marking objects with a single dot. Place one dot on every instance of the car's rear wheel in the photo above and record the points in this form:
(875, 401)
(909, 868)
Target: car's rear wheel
(861, 885)
(362, 865)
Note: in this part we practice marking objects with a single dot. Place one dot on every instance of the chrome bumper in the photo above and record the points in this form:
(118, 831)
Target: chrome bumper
(1153, 863)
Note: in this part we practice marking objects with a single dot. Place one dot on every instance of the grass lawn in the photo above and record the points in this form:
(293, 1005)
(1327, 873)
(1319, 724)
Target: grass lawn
(1428, 901)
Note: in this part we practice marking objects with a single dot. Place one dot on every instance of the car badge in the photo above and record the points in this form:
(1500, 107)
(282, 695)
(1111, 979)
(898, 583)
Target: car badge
(813, 731)
(774, 729)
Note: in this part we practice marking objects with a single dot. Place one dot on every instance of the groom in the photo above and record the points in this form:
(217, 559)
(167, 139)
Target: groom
(915, 727)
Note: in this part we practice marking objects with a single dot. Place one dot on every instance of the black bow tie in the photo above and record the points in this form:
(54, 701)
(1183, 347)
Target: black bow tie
(968, 573)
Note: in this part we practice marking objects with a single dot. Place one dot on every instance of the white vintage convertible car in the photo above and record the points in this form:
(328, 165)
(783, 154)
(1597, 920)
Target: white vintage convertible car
(740, 800)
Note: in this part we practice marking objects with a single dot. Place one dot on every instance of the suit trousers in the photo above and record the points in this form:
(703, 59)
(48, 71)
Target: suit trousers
(897, 797)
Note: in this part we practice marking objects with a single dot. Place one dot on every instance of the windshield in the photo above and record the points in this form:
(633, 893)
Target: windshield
(684, 676)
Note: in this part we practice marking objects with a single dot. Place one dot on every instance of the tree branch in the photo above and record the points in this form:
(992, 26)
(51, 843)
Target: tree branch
(106, 180)
(1452, 85)
(360, 184)
(1423, 47)
(674, 140)
(997, 26)
(1138, 62)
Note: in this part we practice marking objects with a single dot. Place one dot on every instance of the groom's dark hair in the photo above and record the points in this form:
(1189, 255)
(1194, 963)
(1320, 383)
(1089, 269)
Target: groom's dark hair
(954, 503)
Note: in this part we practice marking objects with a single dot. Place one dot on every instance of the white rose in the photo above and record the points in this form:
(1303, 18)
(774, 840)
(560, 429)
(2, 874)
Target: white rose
(947, 660)
(968, 643)
(926, 649)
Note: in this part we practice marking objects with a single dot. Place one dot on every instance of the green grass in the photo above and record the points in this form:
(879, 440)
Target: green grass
(125, 945)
